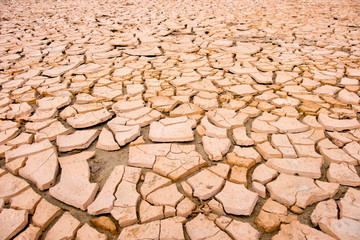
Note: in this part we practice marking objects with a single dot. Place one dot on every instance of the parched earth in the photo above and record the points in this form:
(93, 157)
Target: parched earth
(180, 119)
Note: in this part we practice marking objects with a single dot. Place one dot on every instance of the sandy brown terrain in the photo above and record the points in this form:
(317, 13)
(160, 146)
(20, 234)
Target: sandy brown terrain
(179, 119)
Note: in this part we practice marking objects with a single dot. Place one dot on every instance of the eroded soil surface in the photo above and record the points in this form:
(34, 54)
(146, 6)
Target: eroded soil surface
(179, 119)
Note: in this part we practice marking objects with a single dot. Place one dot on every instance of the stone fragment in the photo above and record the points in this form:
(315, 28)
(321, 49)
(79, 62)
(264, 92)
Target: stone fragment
(222, 222)
(89, 119)
(248, 153)
(324, 211)
(225, 118)
(307, 138)
(80, 139)
(215, 148)
(19, 111)
(30, 233)
(331, 188)
(236, 199)
(26, 200)
(64, 228)
(306, 167)
(212, 130)
(134, 89)
(7, 124)
(289, 125)
(312, 122)
(4, 149)
(350, 204)
(206, 102)
(262, 78)
(34, 127)
(12, 222)
(241, 230)
(11, 185)
(348, 97)
(343, 228)
(149, 230)
(124, 133)
(107, 93)
(272, 206)
(336, 155)
(216, 207)
(153, 182)
(149, 213)
(8, 134)
(127, 106)
(259, 188)
(353, 149)
(299, 231)
(263, 127)
(187, 109)
(185, 207)
(267, 151)
(59, 70)
(340, 139)
(45, 213)
(27, 149)
(145, 155)
(241, 138)
(169, 211)
(327, 90)
(267, 221)
(307, 151)
(22, 138)
(68, 112)
(42, 115)
(353, 72)
(281, 143)
(172, 228)
(259, 137)
(143, 116)
(233, 159)
(88, 233)
(280, 140)
(41, 168)
(15, 165)
(106, 141)
(144, 51)
(87, 107)
(47, 103)
(140, 140)
(238, 175)
(220, 169)
(105, 199)
(332, 124)
(104, 223)
(172, 130)
(289, 190)
(283, 77)
(343, 174)
(201, 228)
(130, 199)
(163, 103)
(166, 196)
(187, 188)
(263, 174)
(74, 187)
(205, 184)
(243, 90)
(180, 162)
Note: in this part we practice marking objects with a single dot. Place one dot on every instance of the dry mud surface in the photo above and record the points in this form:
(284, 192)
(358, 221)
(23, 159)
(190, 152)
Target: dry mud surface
(179, 119)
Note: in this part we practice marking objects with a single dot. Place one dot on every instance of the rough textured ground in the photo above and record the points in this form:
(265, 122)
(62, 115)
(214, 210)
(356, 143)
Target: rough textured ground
(179, 119)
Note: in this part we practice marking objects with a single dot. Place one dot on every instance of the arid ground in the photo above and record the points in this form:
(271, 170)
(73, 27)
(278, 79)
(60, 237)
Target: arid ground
(137, 119)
